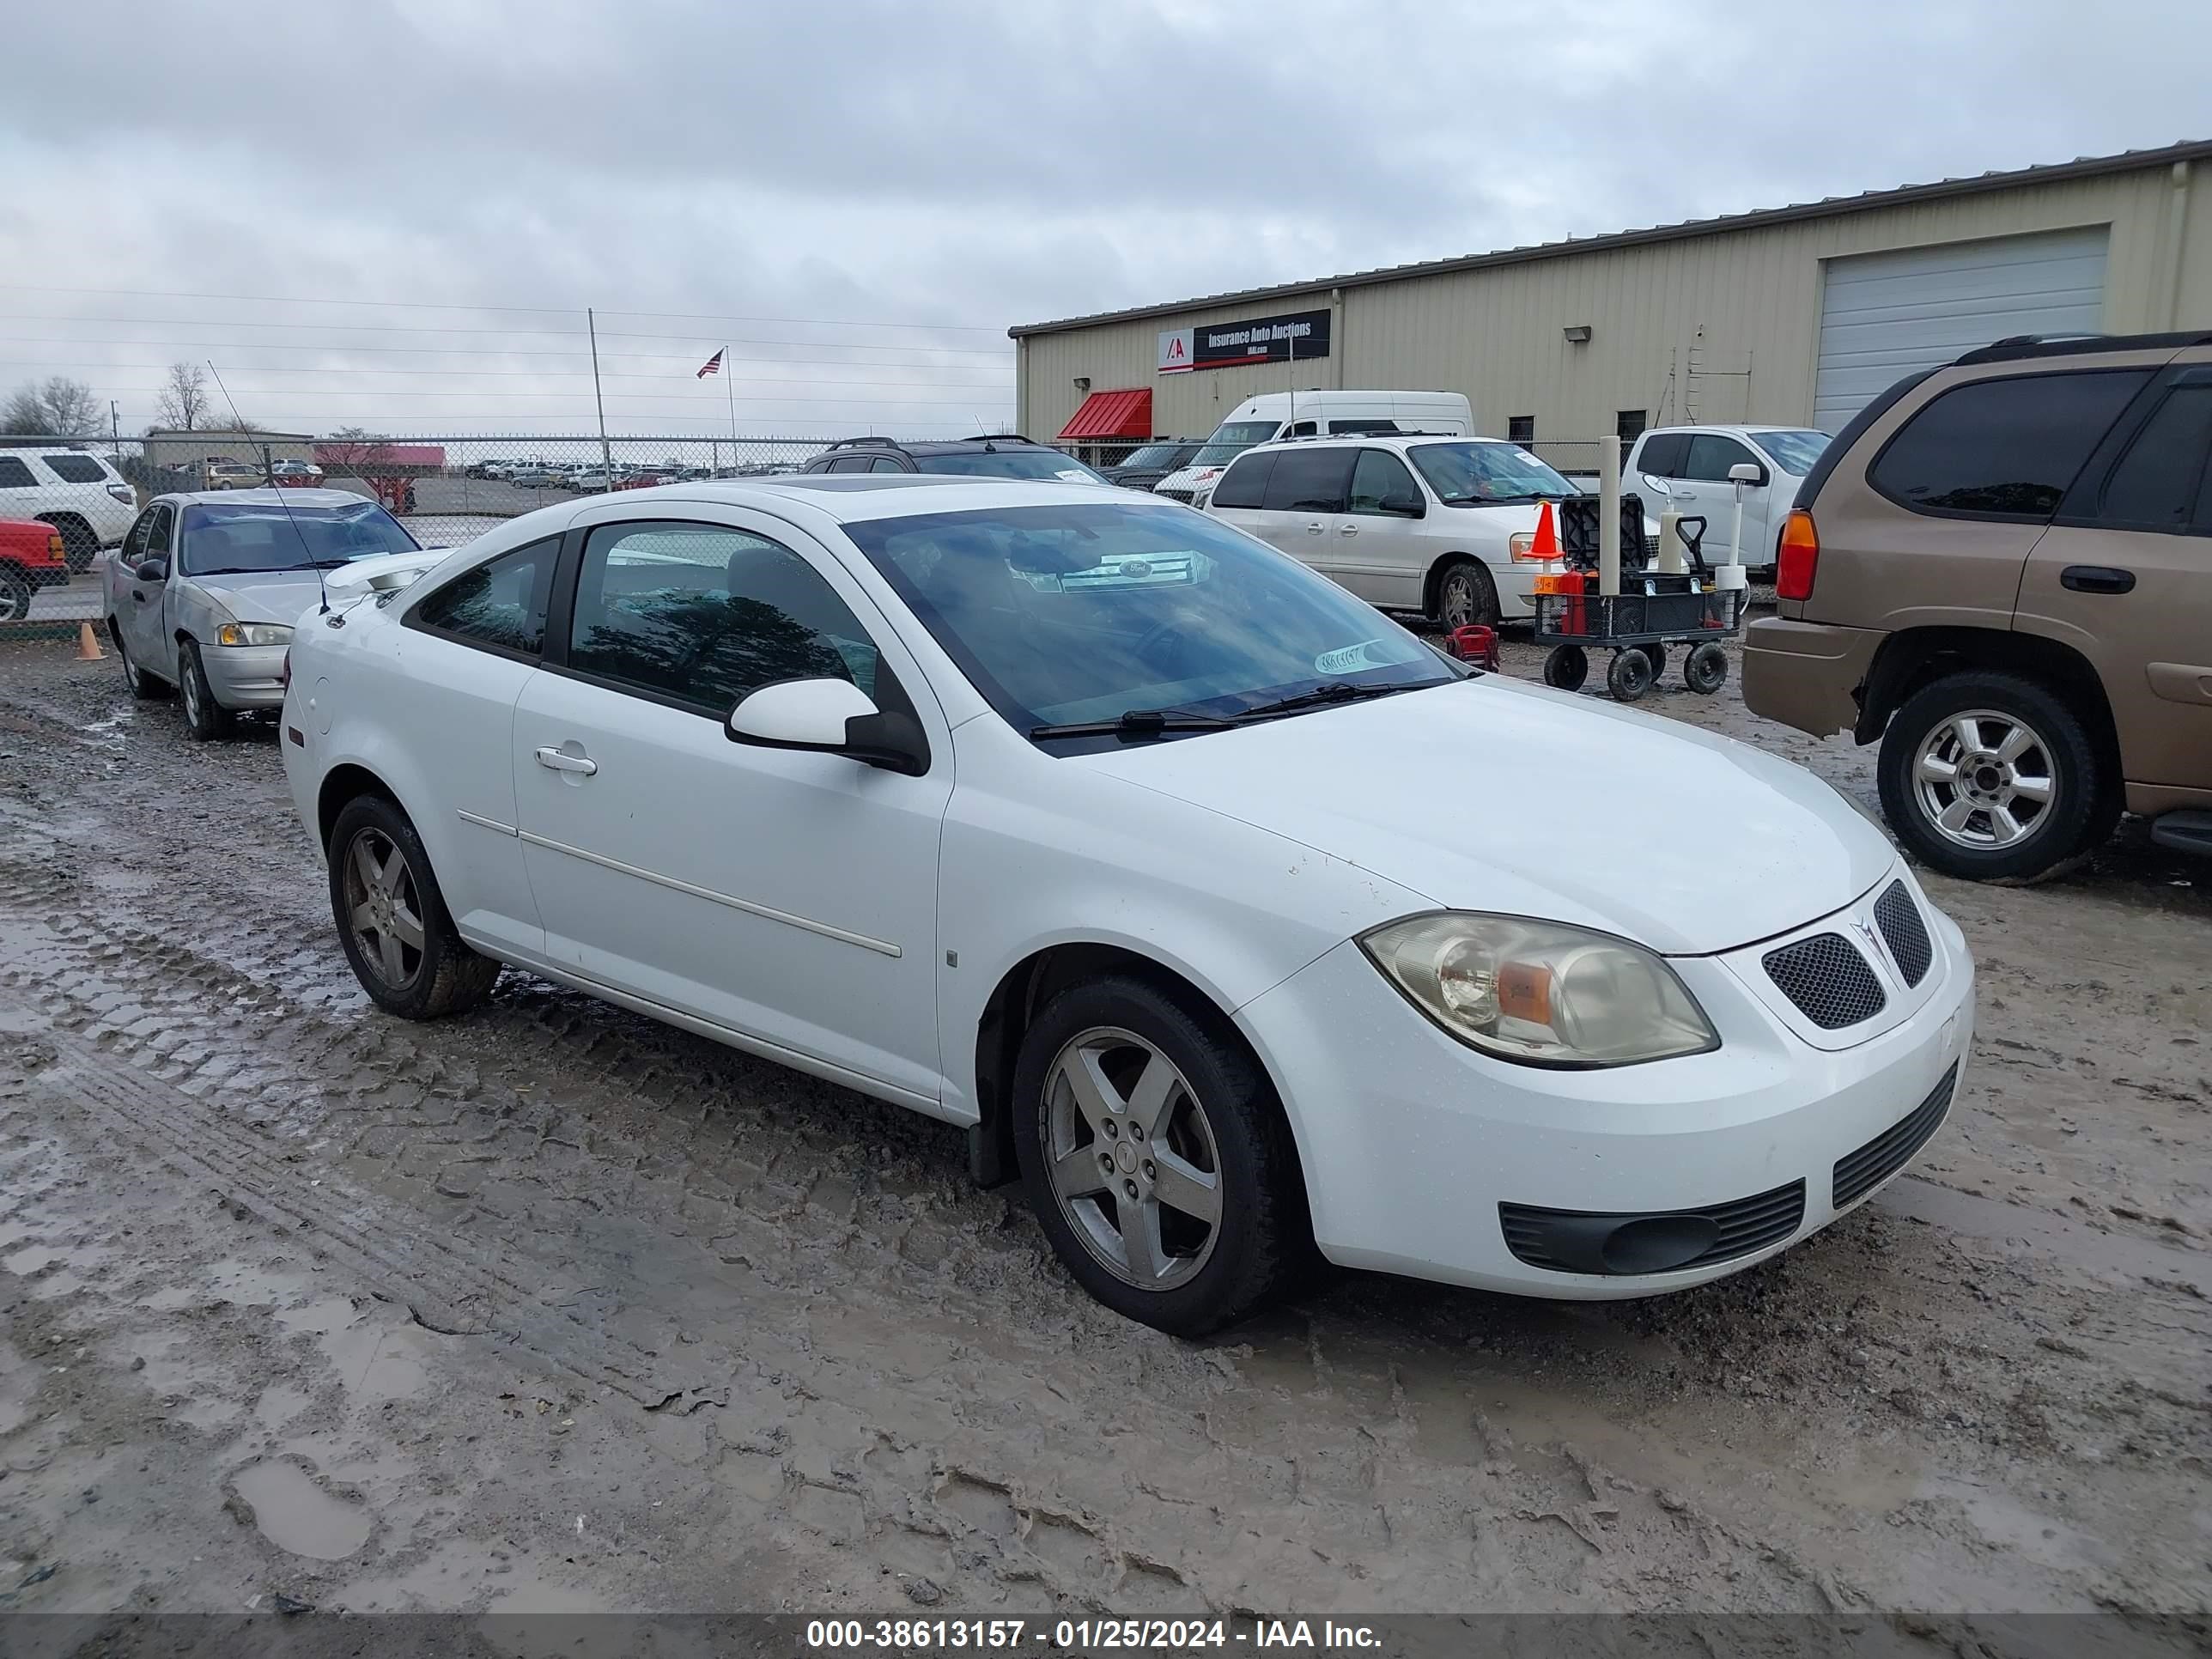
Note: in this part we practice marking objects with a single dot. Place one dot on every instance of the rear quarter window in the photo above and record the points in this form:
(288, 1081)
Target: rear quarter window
(14, 474)
(76, 469)
(2006, 448)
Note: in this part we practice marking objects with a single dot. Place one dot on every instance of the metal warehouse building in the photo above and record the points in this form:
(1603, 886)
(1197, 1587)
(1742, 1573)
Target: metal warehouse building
(1793, 315)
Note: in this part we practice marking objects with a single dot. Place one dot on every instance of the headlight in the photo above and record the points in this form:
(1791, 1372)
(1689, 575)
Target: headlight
(1539, 992)
(253, 633)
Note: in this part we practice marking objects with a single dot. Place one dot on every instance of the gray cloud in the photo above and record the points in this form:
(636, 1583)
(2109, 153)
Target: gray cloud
(976, 164)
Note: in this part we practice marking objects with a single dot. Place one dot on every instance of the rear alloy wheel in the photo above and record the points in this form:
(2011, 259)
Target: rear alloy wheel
(14, 596)
(1156, 1157)
(205, 719)
(1990, 777)
(1465, 595)
(393, 919)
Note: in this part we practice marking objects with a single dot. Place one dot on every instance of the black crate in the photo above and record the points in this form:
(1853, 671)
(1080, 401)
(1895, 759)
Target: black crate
(1599, 618)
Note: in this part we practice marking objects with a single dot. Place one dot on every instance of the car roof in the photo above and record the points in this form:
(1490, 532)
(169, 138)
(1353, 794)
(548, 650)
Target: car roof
(1402, 439)
(852, 497)
(266, 497)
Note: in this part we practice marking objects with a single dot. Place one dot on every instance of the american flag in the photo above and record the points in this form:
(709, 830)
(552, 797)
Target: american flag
(711, 366)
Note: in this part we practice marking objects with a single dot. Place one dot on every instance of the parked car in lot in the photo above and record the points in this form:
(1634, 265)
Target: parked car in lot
(234, 475)
(1407, 524)
(296, 474)
(1145, 465)
(1273, 414)
(208, 587)
(533, 476)
(1001, 455)
(1689, 468)
(1095, 825)
(2002, 569)
(78, 493)
(33, 555)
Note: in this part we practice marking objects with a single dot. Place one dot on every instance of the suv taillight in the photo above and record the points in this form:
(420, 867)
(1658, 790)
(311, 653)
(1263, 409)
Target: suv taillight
(1797, 558)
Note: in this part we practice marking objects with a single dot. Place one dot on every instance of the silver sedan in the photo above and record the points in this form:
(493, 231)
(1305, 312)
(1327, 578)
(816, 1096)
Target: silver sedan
(205, 590)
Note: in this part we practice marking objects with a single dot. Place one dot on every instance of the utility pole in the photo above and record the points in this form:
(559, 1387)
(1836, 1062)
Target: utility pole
(115, 427)
(607, 454)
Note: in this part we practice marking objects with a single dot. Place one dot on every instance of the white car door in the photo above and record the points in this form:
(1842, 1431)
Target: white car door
(458, 661)
(1303, 506)
(784, 895)
(1382, 554)
(140, 602)
(1704, 488)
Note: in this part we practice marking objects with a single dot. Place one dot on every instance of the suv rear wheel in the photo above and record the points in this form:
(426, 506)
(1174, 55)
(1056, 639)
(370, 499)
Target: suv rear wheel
(1990, 777)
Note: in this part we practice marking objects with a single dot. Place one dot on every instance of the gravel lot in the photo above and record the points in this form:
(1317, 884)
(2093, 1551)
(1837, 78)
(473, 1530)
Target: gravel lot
(550, 1308)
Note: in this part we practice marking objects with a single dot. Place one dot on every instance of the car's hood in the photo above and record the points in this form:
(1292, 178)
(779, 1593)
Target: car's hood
(263, 596)
(1496, 795)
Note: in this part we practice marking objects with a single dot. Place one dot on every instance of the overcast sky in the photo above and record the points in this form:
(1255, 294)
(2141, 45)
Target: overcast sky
(859, 198)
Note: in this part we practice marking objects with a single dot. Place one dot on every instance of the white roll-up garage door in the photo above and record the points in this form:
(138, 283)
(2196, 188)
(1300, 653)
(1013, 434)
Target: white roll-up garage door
(1883, 315)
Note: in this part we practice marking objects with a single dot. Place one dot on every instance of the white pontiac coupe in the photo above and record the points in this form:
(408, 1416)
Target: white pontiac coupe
(1238, 918)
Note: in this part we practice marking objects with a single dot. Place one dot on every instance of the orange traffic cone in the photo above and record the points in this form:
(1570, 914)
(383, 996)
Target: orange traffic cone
(87, 644)
(1546, 545)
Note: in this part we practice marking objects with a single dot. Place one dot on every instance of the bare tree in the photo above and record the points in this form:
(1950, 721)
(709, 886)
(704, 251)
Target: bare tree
(353, 451)
(183, 404)
(56, 407)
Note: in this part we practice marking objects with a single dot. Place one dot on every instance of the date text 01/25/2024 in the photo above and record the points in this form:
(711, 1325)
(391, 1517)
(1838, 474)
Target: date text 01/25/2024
(1084, 1635)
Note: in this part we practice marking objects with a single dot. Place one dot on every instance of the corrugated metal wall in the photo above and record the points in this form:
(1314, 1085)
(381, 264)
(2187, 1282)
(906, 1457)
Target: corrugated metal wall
(1722, 327)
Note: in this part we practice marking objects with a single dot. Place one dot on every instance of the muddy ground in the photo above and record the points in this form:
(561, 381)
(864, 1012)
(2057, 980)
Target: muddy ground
(551, 1308)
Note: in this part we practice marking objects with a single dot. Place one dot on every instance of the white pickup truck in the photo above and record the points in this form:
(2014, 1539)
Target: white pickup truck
(1686, 467)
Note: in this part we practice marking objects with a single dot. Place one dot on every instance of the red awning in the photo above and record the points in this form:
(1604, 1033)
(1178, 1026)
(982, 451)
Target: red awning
(1112, 415)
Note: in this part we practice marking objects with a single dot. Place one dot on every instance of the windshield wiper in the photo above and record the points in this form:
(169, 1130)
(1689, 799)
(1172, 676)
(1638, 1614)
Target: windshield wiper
(1323, 694)
(1138, 723)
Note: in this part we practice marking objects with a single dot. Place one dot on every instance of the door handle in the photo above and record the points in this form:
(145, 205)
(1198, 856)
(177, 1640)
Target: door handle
(2096, 579)
(559, 762)
(1314, 528)
(1347, 530)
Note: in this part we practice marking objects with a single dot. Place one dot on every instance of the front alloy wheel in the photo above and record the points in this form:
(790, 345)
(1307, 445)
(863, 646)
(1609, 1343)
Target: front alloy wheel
(1133, 1159)
(1985, 778)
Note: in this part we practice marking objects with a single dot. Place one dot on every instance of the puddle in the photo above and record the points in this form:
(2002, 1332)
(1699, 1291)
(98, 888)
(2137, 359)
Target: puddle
(24, 1263)
(323, 1315)
(279, 1405)
(296, 1515)
(378, 1364)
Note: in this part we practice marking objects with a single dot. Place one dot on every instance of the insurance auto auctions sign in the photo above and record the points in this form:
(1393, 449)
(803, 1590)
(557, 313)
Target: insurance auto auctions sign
(1299, 334)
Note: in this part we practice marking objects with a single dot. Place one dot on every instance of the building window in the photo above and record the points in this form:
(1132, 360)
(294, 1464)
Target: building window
(1521, 428)
(1629, 423)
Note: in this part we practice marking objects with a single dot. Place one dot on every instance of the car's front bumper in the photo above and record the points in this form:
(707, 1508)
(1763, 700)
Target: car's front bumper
(46, 575)
(245, 675)
(1411, 1142)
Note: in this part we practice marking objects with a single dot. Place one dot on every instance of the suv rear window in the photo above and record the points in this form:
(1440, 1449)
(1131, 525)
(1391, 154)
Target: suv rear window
(76, 469)
(2003, 449)
(1245, 484)
(13, 475)
(1310, 480)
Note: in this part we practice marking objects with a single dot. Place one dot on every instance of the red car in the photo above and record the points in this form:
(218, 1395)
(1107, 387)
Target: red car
(31, 557)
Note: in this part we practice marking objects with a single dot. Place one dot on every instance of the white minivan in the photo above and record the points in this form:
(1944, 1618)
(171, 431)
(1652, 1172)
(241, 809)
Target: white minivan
(1306, 414)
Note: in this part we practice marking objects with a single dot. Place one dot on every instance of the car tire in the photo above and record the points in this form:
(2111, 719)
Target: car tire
(16, 595)
(1705, 670)
(1222, 1123)
(1566, 668)
(378, 902)
(143, 685)
(1466, 595)
(1628, 676)
(1954, 760)
(205, 720)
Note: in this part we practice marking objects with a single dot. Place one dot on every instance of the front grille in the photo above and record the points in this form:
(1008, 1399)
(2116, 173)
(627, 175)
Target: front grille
(1745, 1224)
(1859, 1173)
(1905, 933)
(1182, 495)
(1830, 982)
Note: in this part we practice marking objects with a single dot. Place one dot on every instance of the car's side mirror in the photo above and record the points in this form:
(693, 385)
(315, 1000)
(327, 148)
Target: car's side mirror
(152, 570)
(1404, 506)
(829, 717)
(1748, 472)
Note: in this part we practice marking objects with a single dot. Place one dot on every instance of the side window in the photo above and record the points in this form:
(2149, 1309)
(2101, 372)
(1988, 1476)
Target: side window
(1377, 477)
(159, 531)
(499, 605)
(76, 469)
(1313, 480)
(134, 543)
(885, 464)
(1665, 454)
(2006, 447)
(1361, 424)
(1712, 455)
(1245, 484)
(702, 614)
(14, 474)
(2159, 483)
(851, 464)
(1521, 428)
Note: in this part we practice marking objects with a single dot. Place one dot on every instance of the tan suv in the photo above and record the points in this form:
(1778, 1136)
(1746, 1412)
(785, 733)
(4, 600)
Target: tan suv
(2003, 568)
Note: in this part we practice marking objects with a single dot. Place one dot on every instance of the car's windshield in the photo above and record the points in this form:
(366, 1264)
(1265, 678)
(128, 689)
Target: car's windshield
(230, 539)
(1084, 613)
(1046, 463)
(1231, 439)
(1151, 455)
(1793, 451)
(1482, 475)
